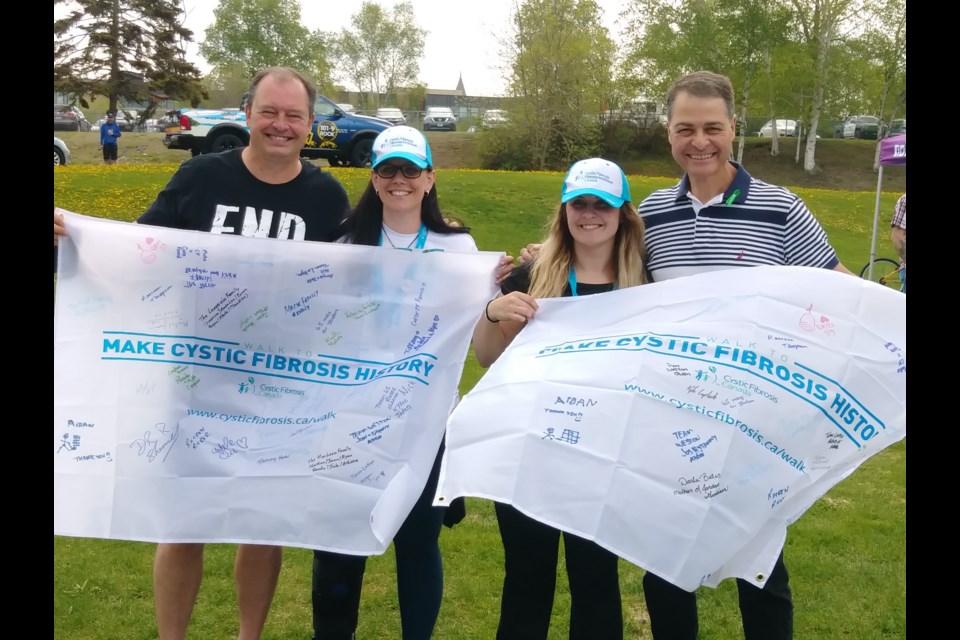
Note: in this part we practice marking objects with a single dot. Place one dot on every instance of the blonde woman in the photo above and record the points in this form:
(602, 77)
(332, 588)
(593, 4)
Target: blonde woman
(594, 245)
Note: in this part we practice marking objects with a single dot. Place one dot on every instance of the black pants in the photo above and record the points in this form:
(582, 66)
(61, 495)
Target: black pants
(338, 578)
(336, 585)
(530, 580)
(767, 613)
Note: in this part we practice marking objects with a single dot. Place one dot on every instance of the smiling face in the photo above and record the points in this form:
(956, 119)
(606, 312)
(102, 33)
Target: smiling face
(399, 193)
(592, 222)
(701, 133)
(279, 118)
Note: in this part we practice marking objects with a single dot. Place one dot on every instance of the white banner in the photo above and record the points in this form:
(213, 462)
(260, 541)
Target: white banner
(684, 424)
(228, 389)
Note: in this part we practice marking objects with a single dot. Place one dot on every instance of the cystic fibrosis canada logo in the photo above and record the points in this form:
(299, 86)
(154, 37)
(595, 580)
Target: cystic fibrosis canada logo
(248, 385)
(592, 177)
(266, 390)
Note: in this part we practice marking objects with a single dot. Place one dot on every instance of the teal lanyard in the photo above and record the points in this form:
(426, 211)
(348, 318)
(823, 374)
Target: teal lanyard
(421, 239)
(572, 280)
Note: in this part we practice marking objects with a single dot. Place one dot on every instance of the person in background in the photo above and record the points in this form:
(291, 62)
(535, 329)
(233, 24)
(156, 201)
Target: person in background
(109, 135)
(898, 236)
(261, 190)
(594, 245)
(399, 209)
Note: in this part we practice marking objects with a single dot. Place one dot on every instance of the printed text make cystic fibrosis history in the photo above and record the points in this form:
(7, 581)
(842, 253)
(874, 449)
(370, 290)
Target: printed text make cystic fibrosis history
(227, 355)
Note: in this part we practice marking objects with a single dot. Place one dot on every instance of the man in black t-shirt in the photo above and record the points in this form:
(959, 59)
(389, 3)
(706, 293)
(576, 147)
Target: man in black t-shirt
(266, 191)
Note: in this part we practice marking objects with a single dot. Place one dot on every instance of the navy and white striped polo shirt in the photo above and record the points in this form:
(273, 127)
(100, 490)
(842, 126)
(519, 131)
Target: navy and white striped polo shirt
(754, 223)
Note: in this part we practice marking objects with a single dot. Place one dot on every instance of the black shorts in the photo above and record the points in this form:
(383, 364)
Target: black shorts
(110, 151)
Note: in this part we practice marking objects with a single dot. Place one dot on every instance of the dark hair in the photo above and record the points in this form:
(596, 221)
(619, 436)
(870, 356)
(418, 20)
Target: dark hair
(364, 223)
(702, 84)
(282, 73)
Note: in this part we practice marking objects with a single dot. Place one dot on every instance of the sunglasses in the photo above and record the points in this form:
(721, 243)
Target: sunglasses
(579, 204)
(389, 170)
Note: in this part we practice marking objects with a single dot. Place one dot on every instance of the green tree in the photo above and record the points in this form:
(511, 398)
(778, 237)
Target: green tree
(561, 58)
(734, 37)
(226, 84)
(752, 32)
(256, 34)
(823, 26)
(380, 53)
(885, 43)
(124, 49)
(671, 38)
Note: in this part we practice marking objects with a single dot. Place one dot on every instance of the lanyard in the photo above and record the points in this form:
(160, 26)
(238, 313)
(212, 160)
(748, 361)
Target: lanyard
(572, 280)
(421, 239)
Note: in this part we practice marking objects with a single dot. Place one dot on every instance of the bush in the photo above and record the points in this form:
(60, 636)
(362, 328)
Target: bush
(504, 148)
(623, 140)
(514, 147)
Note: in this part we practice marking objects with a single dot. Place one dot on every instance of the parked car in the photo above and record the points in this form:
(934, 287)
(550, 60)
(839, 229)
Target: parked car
(67, 117)
(439, 119)
(495, 118)
(897, 127)
(633, 117)
(347, 107)
(127, 119)
(862, 127)
(784, 128)
(342, 139)
(392, 115)
(61, 153)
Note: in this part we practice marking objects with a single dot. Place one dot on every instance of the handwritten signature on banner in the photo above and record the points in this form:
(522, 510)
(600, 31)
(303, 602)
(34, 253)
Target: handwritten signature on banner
(725, 416)
(277, 370)
(797, 379)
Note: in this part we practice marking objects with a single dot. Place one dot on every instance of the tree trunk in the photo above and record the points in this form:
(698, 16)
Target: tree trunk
(824, 35)
(744, 103)
(774, 136)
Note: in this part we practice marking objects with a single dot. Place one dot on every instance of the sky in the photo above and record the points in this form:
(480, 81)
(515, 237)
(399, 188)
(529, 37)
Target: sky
(461, 39)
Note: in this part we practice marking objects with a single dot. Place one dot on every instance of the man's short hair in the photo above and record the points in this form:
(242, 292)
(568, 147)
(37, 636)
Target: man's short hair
(702, 84)
(283, 73)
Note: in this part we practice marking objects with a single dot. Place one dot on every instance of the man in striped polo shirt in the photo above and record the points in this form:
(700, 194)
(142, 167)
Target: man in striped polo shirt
(718, 217)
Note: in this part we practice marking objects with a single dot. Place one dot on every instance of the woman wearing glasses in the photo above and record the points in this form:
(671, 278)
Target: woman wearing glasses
(398, 209)
(595, 245)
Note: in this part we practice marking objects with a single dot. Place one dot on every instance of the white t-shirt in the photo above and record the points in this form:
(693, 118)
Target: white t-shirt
(443, 241)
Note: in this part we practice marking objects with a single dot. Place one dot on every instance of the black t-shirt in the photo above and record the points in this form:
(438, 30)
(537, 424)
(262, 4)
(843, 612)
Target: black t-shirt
(216, 192)
(519, 280)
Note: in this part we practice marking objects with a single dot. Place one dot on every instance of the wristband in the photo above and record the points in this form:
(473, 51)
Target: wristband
(486, 312)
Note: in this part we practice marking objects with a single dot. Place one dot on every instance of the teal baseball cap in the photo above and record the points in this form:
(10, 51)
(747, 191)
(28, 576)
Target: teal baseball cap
(402, 142)
(596, 177)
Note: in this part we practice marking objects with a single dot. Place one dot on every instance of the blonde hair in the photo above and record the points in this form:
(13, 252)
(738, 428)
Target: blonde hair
(550, 271)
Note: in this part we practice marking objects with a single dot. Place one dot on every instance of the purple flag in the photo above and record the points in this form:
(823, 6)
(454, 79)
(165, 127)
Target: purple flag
(893, 150)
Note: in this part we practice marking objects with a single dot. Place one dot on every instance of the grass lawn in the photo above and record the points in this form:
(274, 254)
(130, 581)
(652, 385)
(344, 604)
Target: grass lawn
(846, 555)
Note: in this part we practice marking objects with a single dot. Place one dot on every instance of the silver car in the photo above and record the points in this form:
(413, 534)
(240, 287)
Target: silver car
(439, 119)
(392, 115)
(61, 154)
(784, 128)
(494, 118)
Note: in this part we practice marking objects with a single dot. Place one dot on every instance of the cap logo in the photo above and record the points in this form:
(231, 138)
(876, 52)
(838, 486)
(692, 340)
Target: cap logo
(398, 140)
(592, 176)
